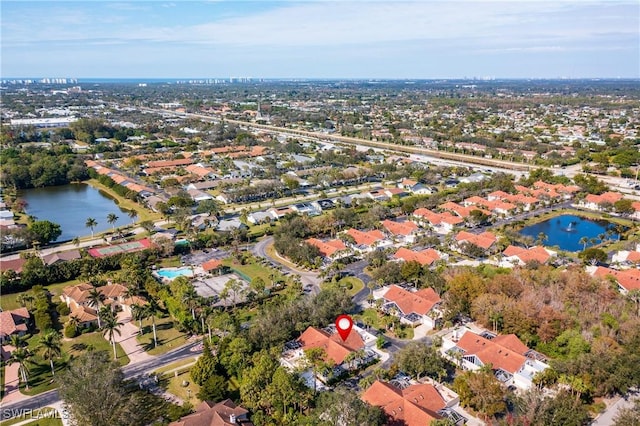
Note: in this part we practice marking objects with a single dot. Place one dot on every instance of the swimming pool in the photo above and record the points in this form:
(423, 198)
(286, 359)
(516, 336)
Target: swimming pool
(171, 273)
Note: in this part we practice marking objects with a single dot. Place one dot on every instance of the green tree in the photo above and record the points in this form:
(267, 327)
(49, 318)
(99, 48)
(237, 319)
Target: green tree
(418, 359)
(95, 393)
(481, 391)
(96, 298)
(91, 223)
(51, 347)
(624, 207)
(45, 231)
(215, 389)
(111, 327)
(628, 416)
(593, 256)
(133, 214)
(343, 407)
(315, 358)
(22, 357)
(206, 365)
(152, 310)
(112, 218)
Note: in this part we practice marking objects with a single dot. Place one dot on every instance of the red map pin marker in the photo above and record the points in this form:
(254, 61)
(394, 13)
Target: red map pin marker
(344, 323)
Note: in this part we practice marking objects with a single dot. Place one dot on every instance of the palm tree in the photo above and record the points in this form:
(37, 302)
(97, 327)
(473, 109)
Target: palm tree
(190, 298)
(110, 328)
(24, 298)
(138, 313)
(91, 223)
(132, 215)
(584, 241)
(76, 241)
(112, 219)
(152, 309)
(17, 341)
(22, 356)
(95, 300)
(51, 347)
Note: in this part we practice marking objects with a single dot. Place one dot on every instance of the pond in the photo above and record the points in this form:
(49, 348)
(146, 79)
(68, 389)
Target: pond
(70, 206)
(567, 232)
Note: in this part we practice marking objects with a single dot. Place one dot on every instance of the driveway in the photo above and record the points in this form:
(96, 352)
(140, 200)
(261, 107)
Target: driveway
(128, 341)
(11, 391)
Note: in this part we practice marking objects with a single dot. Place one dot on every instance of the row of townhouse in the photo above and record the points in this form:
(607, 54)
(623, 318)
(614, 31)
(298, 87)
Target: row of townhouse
(120, 179)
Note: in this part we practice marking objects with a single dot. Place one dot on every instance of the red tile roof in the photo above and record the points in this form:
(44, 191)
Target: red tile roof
(424, 257)
(484, 240)
(416, 405)
(170, 163)
(335, 348)
(212, 264)
(607, 197)
(536, 253)
(629, 279)
(499, 353)
(12, 322)
(400, 228)
(211, 414)
(327, 248)
(419, 302)
(15, 265)
(366, 238)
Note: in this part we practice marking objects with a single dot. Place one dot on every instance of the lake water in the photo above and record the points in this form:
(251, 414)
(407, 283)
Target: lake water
(70, 206)
(566, 231)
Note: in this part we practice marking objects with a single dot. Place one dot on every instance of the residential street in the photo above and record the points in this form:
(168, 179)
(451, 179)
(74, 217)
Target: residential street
(191, 349)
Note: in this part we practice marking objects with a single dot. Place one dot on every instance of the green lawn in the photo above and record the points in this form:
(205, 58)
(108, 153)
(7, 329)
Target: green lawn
(8, 301)
(174, 386)
(170, 262)
(168, 336)
(352, 284)
(178, 365)
(254, 269)
(48, 418)
(369, 317)
(77, 345)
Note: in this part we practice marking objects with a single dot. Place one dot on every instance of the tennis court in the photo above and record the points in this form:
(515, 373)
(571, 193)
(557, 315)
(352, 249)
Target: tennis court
(120, 248)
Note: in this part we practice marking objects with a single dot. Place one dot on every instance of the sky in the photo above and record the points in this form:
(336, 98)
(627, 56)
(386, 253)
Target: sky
(320, 39)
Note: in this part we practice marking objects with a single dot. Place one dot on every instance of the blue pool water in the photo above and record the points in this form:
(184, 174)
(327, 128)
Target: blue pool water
(172, 273)
(566, 232)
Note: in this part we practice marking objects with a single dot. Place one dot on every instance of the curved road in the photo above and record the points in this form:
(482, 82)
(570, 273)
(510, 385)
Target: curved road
(307, 277)
(45, 399)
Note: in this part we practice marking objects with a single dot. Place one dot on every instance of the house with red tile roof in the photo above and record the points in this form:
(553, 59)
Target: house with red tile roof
(13, 322)
(626, 279)
(15, 265)
(598, 202)
(442, 223)
(212, 265)
(512, 361)
(366, 241)
(201, 171)
(627, 256)
(486, 240)
(330, 249)
(405, 232)
(423, 257)
(415, 405)
(223, 413)
(335, 348)
(462, 211)
(114, 295)
(170, 163)
(413, 307)
(514, 255)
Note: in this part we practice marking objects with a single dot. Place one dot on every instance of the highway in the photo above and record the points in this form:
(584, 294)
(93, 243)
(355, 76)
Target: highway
(131, 371)
(432, 153)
